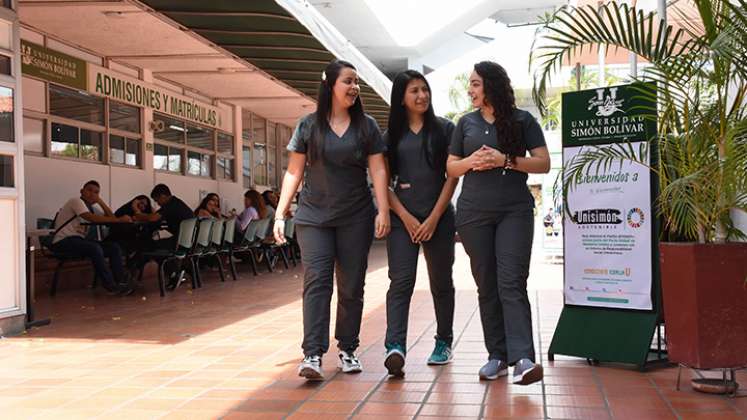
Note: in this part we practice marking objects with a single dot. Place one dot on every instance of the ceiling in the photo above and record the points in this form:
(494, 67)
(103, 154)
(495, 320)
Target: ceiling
(265, 35)
(438, 34)
(249, 53)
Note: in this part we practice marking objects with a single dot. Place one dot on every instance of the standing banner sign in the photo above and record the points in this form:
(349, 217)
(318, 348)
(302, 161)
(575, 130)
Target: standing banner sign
(610, 253)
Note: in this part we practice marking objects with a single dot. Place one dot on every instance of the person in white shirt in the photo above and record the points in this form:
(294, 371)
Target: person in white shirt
(70, 237)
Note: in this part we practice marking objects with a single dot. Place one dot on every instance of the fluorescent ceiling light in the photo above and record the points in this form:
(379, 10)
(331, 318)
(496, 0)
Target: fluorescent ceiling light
(411, 21)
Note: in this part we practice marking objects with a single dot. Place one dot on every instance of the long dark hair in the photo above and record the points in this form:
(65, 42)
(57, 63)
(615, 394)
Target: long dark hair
(203, 203)
(500, 95)
(435, 144)
(257, 202)
(324, 110)
(126, 208)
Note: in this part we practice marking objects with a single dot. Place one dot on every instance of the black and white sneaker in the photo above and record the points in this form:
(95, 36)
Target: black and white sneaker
(527, 372)
(349, 362)
(311, 368)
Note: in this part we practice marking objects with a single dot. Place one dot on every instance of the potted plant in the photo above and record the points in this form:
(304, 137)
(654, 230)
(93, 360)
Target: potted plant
(700, 74)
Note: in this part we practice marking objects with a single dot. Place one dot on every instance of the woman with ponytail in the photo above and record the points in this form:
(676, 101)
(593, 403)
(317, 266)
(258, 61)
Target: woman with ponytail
(331, 150)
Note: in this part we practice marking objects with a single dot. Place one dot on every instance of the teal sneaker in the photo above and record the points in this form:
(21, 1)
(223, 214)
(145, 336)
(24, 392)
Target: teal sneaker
(441, 353)
(395, 360)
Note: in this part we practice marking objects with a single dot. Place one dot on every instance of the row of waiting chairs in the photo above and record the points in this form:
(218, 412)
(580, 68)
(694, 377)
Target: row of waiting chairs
(199, 238)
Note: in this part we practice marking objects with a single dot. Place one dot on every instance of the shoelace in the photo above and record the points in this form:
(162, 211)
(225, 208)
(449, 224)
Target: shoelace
(440, 346)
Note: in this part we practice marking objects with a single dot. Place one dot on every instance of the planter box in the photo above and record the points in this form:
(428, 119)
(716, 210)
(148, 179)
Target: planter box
(705, 303)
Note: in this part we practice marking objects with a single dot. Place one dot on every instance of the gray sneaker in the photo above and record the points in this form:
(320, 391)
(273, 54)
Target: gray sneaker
(311, 368)
(527, 372)
(493, 369)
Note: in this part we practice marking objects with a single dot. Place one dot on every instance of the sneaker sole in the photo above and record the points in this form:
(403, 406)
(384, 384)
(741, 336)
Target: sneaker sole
(530, 376)
(500, 373)
(351, 369)
(436, 363)
(394, 364)
(310, 374)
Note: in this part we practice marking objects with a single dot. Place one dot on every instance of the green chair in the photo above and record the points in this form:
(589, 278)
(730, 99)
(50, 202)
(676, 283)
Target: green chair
(216, 243)
(259, 246)
(185, 243)
(229, 231)
(202, 247)
(247, 243)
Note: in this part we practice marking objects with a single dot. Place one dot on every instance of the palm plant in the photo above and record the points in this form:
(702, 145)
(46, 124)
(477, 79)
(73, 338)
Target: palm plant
(700, 74)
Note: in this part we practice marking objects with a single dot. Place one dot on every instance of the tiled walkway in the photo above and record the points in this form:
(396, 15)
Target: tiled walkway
(230, 350)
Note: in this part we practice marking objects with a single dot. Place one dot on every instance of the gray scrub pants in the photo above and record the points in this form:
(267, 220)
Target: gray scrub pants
(403, 265)
(500, 252)
(342, 250)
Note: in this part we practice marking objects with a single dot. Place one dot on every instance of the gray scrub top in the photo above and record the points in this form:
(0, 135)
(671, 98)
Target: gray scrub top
(335, 190)
(418, 185)
(486, 193)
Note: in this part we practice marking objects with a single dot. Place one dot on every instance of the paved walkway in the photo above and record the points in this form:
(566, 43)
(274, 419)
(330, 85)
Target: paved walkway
(230, 350)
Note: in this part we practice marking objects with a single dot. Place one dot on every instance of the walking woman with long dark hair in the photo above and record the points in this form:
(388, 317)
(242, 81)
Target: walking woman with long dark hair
(417, 147)
(331, 149)
(495, 218)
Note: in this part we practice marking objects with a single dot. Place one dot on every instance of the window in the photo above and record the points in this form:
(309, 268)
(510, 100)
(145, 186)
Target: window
(260, 164)
(198, 164)
(258, 129)
(33, 135)
(167, 158)
(74, 142)
(124, 141)
(224, 166)
(75, 105)
(124, 151)
(124, 117)
(6, 114)
(225, 143)
(90, 145)
(6, 171)
(5, 65)
(246, 165)
(225, 161)
(168, 128)
(285, 134)
(200, 137)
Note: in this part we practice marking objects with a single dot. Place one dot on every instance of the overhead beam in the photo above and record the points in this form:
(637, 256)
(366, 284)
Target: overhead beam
(251, 33)
(275, 48)
(228, 14)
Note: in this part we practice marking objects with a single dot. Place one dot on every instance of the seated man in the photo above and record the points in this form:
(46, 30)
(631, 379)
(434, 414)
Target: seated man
(70, 237)
(172, 211)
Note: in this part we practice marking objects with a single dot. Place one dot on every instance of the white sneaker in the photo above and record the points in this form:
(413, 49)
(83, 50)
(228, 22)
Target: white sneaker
(311, 368)
(349, 362)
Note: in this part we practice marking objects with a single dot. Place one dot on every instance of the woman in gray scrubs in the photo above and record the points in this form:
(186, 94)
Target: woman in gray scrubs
(331, 149)
(495, 215)
(417, 143)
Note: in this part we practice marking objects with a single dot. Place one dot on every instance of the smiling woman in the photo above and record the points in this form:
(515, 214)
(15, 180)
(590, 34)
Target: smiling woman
(332, 149)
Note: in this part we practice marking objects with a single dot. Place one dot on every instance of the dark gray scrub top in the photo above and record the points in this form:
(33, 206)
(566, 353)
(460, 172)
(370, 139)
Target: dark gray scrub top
(487, 193)
(335, 190)
(418, 185)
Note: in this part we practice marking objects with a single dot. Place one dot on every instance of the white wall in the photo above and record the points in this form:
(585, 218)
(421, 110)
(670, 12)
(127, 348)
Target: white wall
(9, 280)
(50, 182)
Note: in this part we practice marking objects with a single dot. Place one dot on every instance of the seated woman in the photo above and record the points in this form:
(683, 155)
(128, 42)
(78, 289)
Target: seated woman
(134, 238)
(254, 209)
(209, 207)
